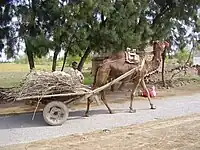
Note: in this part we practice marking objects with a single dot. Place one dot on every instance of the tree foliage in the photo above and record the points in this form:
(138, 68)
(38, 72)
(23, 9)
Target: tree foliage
(79, 27)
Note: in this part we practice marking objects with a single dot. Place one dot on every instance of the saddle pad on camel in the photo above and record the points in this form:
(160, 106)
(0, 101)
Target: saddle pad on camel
(132, 58)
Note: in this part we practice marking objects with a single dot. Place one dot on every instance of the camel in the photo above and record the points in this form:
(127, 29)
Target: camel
(116, 65)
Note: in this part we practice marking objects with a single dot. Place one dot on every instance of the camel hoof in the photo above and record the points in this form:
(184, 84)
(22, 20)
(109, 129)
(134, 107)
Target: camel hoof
(152, 106)
(86, 115)
(132, 111)
(111, 112)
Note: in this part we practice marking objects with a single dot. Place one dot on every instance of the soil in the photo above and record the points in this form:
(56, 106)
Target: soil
(178, 133)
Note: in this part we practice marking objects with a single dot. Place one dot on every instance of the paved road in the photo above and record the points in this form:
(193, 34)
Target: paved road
(21, 129)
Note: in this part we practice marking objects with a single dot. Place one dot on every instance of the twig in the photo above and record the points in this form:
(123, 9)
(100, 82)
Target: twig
(181, 68)
(38, 103)
(51, 96)
(175, 74)
(36, 108)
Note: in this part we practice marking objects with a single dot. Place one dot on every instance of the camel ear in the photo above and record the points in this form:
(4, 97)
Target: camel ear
(167, 44)
(156, 41)
(152, 42)
(164, 45)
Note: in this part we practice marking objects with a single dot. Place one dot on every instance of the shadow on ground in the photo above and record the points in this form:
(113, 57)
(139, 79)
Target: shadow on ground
(25, 120)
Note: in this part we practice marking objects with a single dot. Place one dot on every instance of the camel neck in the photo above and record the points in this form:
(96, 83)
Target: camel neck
(152, 65)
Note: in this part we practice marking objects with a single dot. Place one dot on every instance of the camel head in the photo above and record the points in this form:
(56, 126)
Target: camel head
(158, 49)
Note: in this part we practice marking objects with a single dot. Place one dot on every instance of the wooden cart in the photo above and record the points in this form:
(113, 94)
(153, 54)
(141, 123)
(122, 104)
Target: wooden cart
(56, 111)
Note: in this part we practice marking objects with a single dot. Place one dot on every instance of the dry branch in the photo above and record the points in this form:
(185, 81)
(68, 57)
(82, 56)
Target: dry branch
(7, 94)
(40, 84)
(180, 69)
(51, 96)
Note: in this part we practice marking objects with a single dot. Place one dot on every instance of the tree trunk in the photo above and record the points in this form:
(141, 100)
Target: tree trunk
(30, 59)
(29, 55)
(190, 55)
(55, 56)
(29, 46)
(64, 61)
(83, 59)
(163, 67)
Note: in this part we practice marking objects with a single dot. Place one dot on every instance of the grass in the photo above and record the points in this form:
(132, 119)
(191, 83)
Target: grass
(12, 74)
(88, 78)
(11, 67)
(11, 79)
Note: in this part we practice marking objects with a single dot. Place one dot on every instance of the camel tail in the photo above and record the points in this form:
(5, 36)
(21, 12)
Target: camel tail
(95, 77)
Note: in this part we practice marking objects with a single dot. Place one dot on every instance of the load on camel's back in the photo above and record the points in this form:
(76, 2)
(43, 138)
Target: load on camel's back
(131, 56)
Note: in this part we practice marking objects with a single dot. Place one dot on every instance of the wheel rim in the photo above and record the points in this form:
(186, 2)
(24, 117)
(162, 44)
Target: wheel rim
(55, 114)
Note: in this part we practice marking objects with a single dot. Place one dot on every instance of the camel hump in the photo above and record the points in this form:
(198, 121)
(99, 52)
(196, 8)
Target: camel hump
(132, 57)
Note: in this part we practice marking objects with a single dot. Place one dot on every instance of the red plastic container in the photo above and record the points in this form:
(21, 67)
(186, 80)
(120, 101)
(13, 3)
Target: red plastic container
(152, 92)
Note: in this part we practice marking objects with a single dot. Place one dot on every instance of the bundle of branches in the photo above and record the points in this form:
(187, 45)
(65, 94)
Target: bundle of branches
(178, 70)
(7, 94)
(47, 83)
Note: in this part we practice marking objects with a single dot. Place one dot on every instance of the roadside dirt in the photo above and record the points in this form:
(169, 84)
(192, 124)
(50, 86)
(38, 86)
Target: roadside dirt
(178, 133)
(113, 97)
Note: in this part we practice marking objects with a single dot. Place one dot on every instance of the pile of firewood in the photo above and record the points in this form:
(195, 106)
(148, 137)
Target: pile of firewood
(7, 94)
(48, 83)
(39, 83)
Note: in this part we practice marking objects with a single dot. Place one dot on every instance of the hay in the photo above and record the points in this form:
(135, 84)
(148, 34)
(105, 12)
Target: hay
(48, 83)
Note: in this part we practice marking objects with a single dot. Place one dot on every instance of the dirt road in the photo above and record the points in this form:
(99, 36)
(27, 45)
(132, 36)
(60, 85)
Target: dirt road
(180, 133)
(21, 129)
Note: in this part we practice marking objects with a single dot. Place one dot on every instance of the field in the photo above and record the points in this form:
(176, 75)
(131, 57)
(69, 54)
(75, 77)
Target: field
(11, 74)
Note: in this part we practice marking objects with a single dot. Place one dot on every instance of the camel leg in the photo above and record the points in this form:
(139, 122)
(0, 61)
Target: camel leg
(104, 101)
(112, 88)
(121, 86)
(148, 95)
(134, 88)
(89, 101)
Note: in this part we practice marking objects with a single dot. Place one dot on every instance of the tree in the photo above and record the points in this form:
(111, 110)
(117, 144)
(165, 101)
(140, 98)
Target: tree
(172, 22)
(76, 39)
(79, 27)
(116, 28)
(8, 41)
(65, 27)
(31, 30)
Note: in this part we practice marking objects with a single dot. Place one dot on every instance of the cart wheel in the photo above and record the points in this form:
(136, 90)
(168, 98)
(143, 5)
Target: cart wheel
(55, 113)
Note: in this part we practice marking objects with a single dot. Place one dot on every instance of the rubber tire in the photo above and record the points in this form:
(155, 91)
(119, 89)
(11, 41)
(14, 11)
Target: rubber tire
(48, 107)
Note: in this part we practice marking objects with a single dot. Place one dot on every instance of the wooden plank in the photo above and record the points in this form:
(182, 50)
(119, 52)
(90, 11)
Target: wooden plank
(51, 96)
